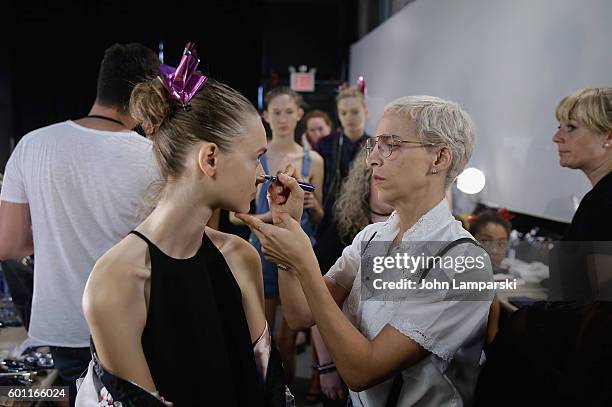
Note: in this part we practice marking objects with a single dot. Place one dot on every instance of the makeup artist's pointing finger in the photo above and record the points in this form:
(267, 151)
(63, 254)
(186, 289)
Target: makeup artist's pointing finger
(256, 224)
(293, 186)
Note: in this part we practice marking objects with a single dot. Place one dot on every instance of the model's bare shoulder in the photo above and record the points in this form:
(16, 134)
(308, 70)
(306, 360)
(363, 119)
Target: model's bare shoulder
(239, 254)
(118, 277)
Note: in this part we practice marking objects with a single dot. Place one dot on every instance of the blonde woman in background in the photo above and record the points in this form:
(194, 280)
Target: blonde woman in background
(572, 337)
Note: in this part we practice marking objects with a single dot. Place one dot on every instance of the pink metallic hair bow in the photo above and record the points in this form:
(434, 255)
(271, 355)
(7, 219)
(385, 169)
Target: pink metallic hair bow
(183, 82)
(361, 86)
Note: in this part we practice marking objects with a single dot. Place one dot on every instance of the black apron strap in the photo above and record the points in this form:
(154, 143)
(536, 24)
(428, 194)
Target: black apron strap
(398, 381)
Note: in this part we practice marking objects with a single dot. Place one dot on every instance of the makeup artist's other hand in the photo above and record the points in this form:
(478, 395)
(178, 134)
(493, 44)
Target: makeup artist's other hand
(287, 244)
(332, 386)
(311, 202)
(286, 197)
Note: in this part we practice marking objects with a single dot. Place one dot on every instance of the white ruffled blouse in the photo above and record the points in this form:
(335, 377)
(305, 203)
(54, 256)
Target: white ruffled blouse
(452, 330)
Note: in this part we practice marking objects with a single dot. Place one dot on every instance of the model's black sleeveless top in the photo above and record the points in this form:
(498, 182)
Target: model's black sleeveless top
(196, 339)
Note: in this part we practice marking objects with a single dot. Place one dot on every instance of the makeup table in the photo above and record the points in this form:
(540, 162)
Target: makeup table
(10, 339)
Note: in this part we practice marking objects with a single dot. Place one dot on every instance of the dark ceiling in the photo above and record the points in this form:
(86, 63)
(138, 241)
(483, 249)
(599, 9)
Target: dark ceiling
(51, 50)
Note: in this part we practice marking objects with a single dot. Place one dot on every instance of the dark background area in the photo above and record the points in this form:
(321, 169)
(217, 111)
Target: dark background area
(51, 51)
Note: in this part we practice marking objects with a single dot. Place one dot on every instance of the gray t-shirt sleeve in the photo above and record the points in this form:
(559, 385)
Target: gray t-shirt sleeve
(13, 186)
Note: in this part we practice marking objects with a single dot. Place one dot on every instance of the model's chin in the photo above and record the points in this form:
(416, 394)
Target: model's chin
(245, 208)
(238, 207)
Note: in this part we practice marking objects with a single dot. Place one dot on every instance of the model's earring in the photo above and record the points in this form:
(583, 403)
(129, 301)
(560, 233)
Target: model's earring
(434, 171)
(606, 145)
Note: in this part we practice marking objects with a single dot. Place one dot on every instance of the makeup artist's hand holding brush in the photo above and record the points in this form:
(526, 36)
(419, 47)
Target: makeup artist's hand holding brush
(286, 196)
(285, 239)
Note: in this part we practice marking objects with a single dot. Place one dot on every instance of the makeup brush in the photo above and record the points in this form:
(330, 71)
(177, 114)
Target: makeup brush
(304, 185)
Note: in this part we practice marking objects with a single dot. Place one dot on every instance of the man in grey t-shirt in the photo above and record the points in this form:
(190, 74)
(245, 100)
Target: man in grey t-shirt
(71, 191)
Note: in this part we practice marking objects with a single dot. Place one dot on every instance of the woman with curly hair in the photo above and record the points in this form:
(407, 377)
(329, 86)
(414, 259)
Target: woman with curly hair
(357, 206)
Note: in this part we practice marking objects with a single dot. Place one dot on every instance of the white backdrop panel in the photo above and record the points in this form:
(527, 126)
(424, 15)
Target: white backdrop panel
(508, 63)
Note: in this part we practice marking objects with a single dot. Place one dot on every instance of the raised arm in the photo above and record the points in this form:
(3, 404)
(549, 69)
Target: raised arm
(286, 199)
(296, 309)
(362, 362)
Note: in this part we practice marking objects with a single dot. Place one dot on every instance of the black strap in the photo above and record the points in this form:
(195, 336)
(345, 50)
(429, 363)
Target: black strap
(368, 243)
(380, 214)
(445, 250)
(396, 389)
(398, 380)
(143, 237)
(99, 116)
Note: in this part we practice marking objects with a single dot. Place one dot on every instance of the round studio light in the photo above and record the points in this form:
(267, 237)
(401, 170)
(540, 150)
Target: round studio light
(471, 181)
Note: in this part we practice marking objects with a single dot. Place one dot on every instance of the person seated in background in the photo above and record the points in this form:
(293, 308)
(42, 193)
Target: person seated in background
(422, 348)
(493, 232)
(561, 350)
(317, 125)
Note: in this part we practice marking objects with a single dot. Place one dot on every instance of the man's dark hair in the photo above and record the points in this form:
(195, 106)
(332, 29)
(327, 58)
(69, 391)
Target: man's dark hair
(124, 66)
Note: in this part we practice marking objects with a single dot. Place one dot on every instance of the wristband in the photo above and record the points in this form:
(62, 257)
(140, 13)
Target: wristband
(326, 368)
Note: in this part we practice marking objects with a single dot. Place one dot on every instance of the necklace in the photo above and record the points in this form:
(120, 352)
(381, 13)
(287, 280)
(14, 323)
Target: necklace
(380, 214)
(110, 119)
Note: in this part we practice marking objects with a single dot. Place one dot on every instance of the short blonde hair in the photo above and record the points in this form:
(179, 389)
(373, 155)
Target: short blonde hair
(351, 92)
(590, 106)
(439, 121)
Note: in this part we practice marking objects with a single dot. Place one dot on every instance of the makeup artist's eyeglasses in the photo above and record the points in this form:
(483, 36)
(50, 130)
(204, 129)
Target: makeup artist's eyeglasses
(388, 142)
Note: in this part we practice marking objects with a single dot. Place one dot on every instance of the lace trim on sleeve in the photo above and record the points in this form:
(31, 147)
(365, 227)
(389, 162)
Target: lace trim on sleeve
(425, 341)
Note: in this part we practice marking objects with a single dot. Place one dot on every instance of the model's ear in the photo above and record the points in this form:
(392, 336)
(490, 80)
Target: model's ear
(266, 116)
(208, 157)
